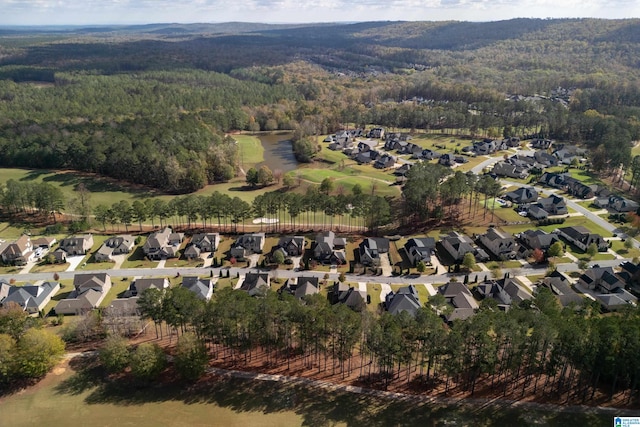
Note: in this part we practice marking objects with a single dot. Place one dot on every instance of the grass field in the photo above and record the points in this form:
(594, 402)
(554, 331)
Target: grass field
(250, 149)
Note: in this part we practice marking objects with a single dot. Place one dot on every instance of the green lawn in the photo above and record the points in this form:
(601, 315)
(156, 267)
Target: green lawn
(618, 247)
(49, 268)
(504, 264)
(250, 149)
(118, 286)
(571, 221)
(103, 190)
(373, 290)
(137, 259)
(589, 205)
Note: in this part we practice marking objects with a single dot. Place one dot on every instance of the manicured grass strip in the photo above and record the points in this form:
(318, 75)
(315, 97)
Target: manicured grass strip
(250, 149)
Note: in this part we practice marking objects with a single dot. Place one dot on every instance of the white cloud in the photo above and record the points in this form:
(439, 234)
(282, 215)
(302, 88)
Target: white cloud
(27, 12)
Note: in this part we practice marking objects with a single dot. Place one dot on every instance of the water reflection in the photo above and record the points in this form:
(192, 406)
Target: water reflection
(278, 154)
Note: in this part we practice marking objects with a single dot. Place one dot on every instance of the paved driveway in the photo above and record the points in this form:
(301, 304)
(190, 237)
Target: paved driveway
(74, 262)
(253, 260)
(385, 265)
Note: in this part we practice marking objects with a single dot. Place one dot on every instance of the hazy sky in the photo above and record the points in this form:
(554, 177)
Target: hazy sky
(43, 12)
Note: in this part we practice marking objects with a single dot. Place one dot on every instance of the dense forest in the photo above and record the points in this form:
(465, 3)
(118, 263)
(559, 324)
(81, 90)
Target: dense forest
(152, 104)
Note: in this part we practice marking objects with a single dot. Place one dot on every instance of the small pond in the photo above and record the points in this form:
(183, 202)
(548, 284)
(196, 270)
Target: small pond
(278, 154)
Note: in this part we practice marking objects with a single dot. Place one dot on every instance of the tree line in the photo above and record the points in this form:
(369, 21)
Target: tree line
(536, 347)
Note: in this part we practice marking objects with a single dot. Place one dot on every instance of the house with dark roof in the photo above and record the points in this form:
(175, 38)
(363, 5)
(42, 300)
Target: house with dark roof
(560, 286)
(385, 161)
(163, 244)
(430, 155)
(509, 170)
(566, 153)
(460, 298)
(292, 246)
(522, 195)
(500, 244)
(255, 284)
(77, 245)
(376, 133)
(582, 238)
(32, 299)
(447, 160)
(548, 206)
(617, 204)
(301, 286)
(115, 245)
(541, 144)
(608, 288)
(456, 245)
(348, 295)
(138, 286)
(420, 249)
(536, 239)
(206, 242)
(404, 299)
(482, 148)
(329, 249)
(202, 288)
(546, 159)
(19, 252)
(554, 180)
(577, 188)
(247, 245)
(371, 249)
(89, 291)
(506, 292)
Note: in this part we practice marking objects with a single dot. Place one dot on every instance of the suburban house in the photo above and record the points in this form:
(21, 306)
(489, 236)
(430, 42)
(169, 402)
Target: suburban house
(348, 295)
(32, 299)
(163, 244)
(19, 252)
(420, 249)
(114, 246)
(44, 242)
(505, 291)
(405, 299)
(447, 160)
(553, 205)
(560, 285)
(255, 283)
(385, 161)
(581, 237)
(616, 203)
(577, 188)
(509, 170)
(202, 288)
(77, 245)
(512, 141)
(329, 249)
(546, 159)
(370, 250)
(301, 286)
(89, 291)
(609, 288)
(541, 144)
(202, 242)
(247, 245)
(376, 133)
(59, 256)
(292, 246)
(502, 245)
(206, 242)
(566, 153)
(460, 298)
(366, 157)
(487, 146)
(138, 286)
(456, 245)
(522, 195)
(554, 180)
(430, 155)
(536, 239)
